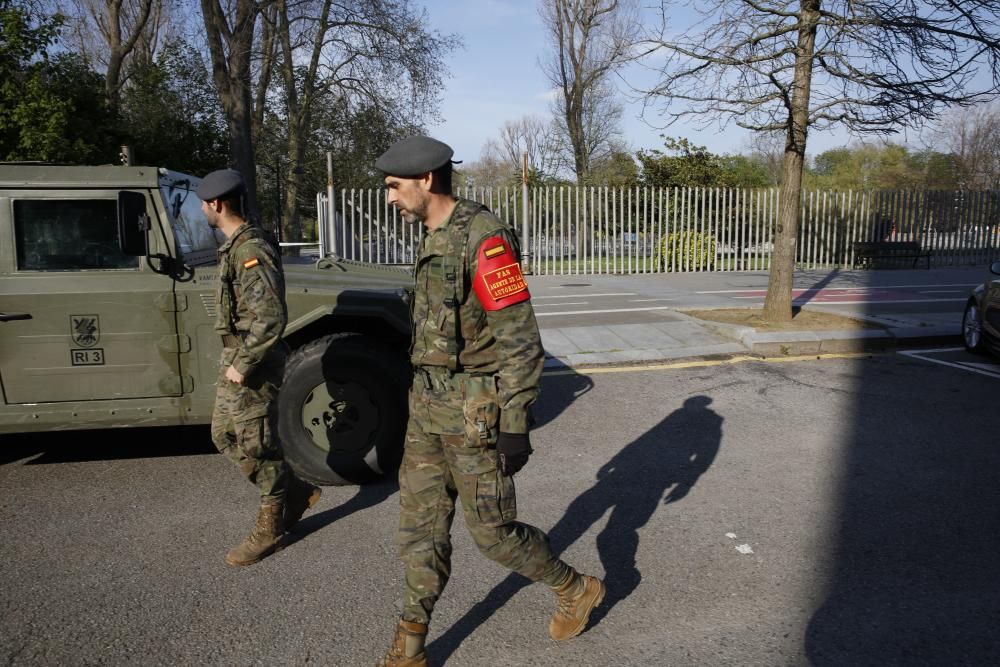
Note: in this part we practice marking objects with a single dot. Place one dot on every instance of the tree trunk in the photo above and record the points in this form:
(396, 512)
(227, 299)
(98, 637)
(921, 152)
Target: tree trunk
(292, 227)
(119, 48)
(268, 57)
(300, 94)
(577, 136)
(778, 302)
(231, 72)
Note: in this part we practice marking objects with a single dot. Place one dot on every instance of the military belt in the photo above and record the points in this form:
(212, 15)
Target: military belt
(439, 378)
(231, 340)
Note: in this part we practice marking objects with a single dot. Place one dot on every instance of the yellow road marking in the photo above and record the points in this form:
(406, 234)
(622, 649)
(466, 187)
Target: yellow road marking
(704, 363)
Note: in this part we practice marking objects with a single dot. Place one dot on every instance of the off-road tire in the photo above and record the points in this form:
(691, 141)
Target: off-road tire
(342, 409)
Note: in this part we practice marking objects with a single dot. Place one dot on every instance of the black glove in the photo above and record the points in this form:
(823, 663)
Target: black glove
(513, 450)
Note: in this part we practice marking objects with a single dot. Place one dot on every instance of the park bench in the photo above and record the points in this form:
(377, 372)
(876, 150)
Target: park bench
(886, 254)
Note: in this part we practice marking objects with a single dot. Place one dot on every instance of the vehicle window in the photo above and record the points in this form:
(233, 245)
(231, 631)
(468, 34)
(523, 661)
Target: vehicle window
(196, 241)
(68, 235)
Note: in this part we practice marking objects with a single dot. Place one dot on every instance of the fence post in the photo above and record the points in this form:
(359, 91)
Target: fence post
(321, 222)
(331, 210)
(525, 241)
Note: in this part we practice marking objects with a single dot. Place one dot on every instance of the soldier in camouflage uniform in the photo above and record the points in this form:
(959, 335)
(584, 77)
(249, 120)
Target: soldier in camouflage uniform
(477, 359)
(251, 319)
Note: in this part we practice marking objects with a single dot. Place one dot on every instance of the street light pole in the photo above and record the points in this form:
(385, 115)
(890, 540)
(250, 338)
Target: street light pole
(526, 258)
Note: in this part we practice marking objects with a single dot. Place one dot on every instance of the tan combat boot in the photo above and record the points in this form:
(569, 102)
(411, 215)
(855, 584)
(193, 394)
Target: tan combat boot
(407, 646)
(577, 598)
(266, 537)
(300, 496)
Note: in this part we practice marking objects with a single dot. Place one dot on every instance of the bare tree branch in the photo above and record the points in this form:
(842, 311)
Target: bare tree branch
(874, 66)
(590, 40)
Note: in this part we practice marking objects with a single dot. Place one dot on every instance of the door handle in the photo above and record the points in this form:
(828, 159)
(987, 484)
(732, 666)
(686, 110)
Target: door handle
(9, 317)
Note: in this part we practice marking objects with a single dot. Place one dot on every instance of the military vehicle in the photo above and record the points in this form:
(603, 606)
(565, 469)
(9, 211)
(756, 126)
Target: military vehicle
(107, 304)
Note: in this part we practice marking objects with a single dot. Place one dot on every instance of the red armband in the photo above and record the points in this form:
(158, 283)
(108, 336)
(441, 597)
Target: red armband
(498, 281)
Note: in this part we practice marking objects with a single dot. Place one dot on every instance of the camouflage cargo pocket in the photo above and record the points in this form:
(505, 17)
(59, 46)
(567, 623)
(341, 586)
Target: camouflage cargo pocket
(440, 412)
(253, 401)
(496, 503)
(254, 439)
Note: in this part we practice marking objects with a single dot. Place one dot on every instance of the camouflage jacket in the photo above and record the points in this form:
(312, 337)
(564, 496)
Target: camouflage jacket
(251, 296)
(452, 329)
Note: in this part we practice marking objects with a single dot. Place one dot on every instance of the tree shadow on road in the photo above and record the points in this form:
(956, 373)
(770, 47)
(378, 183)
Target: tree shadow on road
(807, 295)
(916, 527)
(662, 465)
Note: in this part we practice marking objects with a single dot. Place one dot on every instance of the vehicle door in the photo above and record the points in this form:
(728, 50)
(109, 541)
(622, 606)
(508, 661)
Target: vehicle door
(197, 247)
(81, 320)
(991, 304)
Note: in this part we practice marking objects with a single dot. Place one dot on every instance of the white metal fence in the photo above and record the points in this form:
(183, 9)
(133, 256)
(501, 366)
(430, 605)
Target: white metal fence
(586, 230)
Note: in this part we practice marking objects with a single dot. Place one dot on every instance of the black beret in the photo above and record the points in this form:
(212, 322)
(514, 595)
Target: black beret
(414, 156)
(219, 184)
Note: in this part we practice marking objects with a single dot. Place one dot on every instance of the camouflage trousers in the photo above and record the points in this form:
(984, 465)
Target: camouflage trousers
(450, 455)
(244, 426)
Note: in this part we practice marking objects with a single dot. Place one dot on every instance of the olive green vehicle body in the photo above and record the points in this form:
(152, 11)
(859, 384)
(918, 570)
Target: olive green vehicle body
(92, 337)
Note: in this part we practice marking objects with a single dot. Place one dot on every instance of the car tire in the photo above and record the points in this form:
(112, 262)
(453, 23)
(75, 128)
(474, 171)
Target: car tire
(342, 409)
(972, 329)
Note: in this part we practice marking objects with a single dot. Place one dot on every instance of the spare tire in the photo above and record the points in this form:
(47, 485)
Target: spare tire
(342, 409)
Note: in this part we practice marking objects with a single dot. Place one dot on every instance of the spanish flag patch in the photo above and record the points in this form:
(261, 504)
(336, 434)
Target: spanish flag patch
(494, 251)
(250, 263)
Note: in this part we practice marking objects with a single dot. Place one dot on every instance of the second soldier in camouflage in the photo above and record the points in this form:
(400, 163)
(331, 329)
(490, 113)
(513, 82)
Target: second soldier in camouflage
(251, 318)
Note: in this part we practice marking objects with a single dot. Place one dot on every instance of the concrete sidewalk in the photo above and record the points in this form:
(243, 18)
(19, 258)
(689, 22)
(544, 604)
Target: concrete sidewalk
(593, 335)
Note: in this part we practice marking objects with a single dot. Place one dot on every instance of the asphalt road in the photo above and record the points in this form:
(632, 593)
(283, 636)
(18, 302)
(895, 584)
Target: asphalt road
(585, 300)
(839, 511)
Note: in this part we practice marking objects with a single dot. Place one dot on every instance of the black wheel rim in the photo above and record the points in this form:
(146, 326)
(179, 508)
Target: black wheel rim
(340, 417)
(970, 327)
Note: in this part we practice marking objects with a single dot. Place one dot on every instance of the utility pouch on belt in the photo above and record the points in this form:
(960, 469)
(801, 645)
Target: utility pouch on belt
(482, 411)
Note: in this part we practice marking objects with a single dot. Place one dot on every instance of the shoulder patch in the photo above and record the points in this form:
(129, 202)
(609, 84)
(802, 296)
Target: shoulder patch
(498, 281)
(250, 263)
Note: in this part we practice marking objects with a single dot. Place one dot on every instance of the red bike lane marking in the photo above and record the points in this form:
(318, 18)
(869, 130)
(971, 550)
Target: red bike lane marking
(847, 295)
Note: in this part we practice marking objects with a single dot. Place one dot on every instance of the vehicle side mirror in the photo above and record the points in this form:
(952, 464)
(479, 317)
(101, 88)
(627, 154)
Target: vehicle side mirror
(133, 223)
(995, 268)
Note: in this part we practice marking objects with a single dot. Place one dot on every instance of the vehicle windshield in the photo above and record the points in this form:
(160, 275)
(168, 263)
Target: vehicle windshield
(196, 241)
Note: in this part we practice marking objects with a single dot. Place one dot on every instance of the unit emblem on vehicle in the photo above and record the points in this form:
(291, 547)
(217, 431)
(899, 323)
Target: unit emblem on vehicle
(86, 330)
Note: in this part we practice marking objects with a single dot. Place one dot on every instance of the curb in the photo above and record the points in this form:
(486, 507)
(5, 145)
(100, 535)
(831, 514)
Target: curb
(796, 343)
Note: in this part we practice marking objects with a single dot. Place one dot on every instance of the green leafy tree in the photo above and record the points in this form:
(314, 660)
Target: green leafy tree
(741, 171)
(683, 165)
(52, 108)
(686, 165)
(940, 170)
(172, 115)
(617, 170)
(885, 167)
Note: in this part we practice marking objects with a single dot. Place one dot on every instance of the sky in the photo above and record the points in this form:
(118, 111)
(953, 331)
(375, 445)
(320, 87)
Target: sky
(496, 77)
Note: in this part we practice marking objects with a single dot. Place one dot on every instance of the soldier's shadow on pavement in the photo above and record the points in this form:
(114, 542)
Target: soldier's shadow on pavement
(368, 495)
(561, 385)
(662, 465)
